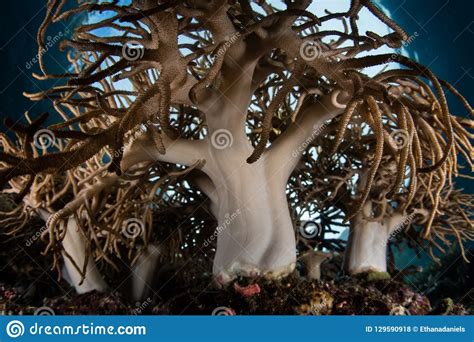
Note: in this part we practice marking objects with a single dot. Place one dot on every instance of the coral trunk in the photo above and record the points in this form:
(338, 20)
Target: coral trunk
(368, 240)
(74, 245)
(367, 247)
(255, 235)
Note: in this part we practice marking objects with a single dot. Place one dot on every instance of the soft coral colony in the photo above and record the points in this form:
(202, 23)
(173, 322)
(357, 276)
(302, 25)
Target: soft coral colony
(222, 97)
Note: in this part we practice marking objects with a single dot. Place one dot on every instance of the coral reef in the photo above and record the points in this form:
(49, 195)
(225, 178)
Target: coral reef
(253, 117)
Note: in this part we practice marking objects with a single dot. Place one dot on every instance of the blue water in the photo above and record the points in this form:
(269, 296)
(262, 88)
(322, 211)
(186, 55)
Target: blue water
(446, 37)
(445, 43)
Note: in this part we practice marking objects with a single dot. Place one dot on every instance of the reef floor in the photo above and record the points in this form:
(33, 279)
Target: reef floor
(369, 294)
(29, 286)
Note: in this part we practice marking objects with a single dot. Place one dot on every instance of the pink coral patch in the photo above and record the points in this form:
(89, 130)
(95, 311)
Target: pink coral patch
(247, 291)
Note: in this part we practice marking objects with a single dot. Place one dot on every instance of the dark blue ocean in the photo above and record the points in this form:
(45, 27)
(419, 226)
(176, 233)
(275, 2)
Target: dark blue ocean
(444, 42)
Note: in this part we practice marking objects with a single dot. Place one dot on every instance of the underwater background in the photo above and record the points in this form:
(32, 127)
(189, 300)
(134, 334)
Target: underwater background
(442, 32)
(442, 38)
